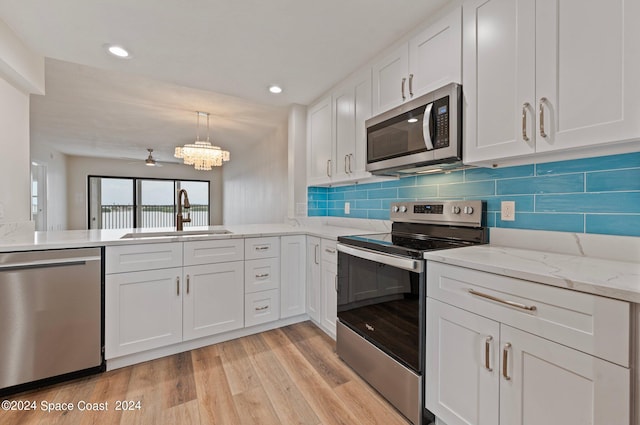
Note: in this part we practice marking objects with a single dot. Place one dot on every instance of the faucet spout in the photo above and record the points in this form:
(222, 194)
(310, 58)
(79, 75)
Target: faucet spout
(180, 219)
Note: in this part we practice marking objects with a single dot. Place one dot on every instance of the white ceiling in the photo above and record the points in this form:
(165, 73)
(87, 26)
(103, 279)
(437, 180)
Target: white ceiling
(218, 56)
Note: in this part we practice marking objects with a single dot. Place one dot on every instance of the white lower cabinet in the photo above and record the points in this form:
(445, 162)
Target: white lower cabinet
(213, 299)
(143, 310)
(329, 302)
(314, 278)
(293, 271)
(261, 307)
(481, 370)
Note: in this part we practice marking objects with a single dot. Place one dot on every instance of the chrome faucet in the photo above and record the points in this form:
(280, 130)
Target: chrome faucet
(179, 219)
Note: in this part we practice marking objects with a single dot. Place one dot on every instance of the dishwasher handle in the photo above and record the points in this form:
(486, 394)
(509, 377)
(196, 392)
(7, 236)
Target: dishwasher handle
(38, 264)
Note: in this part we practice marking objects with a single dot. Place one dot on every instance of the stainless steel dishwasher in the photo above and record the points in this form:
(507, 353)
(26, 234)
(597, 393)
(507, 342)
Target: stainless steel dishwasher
(51, 311)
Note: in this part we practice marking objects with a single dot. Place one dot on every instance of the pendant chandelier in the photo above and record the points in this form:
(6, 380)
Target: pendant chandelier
(201, 154)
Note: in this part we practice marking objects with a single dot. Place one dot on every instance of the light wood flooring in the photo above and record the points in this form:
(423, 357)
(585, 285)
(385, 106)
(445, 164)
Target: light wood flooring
(286, 376)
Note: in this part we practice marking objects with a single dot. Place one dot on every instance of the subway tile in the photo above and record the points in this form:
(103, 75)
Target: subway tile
(475, 174)
(366, 186)
(490, 219)
(524, 203)
(613, 224)
(355, 194)
(354, 213)
(379, 214)
(336, 212)
(342, 188)
(418, 192)
(607, 202)
(543, 221)
(429, 179)
(467, 189)
(370, 204)
(316, 212)
(569, 183)
(611, 162)
(405, 181)
(317, 196)
(382, 193)
(606, 181)
(336, 196)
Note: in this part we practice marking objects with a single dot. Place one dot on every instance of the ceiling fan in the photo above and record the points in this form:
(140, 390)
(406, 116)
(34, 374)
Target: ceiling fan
(151, 161)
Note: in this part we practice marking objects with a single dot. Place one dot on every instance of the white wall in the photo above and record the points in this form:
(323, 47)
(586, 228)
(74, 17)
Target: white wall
(56, 164)
(297, 145)
(79, 168)
(255, 181)
(14, 157)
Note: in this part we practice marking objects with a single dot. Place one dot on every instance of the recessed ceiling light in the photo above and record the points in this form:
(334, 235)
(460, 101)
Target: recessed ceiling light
(412, 120)
(118, 51)
(275, 89)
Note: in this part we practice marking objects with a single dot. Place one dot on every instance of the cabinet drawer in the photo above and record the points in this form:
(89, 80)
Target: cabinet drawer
(213, 251)
(595, 325)
(260, 275)
(329, 252)
(255, 248)
(261, 307)
(132, 258)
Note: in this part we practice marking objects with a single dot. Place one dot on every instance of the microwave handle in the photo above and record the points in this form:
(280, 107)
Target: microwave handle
(426, 132)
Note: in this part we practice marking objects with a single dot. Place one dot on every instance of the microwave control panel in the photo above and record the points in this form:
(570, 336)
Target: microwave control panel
(440, 116)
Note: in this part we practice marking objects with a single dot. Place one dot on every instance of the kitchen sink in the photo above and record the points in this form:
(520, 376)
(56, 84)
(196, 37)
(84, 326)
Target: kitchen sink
(175, 233)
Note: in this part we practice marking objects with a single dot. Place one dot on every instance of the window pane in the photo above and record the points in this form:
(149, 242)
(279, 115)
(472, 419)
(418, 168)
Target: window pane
(199, 199)
(110, 203)
(156, 203)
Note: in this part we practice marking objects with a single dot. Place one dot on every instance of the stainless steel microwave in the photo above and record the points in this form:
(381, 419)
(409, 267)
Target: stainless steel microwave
(419, 135)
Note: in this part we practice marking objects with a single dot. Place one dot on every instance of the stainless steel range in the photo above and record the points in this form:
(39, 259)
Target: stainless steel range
(381, 295)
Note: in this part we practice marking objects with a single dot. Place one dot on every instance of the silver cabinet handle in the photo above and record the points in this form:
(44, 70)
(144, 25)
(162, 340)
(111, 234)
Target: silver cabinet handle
(350, 158)
(335, 284)
(505, 361)
(315, 253)
(177, 285)
(487, 353)
(525, 106)
(262, 308)
(188, 279)
(541, 108)
(328, 168)
(402, 88)
(262, 248)
(411, 85)
(330, 251)
(346, 159)
(500, 300)
(260, 276)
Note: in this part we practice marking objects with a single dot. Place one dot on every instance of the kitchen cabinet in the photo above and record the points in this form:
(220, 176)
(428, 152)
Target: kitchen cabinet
(262, 280)
(329, 287)
(429, 60)
(507, 351)
(320, 164)
(314, 278)
(293, 261)
(213, 299)
(532, 84)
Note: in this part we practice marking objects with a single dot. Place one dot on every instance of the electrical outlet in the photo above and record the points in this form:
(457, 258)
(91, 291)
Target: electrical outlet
(347, 208)
(508, 210)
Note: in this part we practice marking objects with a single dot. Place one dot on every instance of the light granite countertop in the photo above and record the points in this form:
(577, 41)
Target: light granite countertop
(595, 264)
(90, 238)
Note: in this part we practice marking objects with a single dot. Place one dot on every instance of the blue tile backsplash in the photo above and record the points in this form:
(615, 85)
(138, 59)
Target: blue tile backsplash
(594, 195)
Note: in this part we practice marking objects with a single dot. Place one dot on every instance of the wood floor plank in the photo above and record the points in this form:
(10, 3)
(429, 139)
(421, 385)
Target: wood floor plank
(216, 404)
(286, 376)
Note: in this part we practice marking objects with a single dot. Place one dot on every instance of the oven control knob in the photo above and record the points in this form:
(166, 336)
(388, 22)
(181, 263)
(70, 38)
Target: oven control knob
(455, 209)
(395, 209)
(468, 210)
(403, 209)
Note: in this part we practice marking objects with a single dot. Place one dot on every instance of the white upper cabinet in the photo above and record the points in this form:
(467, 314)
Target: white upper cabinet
(428, 61)
(544, 76)
(319, 143)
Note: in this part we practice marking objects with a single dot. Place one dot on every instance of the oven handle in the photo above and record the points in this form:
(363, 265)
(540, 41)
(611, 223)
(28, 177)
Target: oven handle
(411, 265)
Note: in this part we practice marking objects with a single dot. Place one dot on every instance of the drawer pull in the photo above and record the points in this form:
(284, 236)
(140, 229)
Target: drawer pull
(330, 251)
(262, 248)
(505, 361)
(188, 279)
(260, 276)
(487, 353)
(507, 302)
(178, 286)
(262, 308)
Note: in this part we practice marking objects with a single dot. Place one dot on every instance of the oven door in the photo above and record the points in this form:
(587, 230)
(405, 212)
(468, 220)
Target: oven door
(380, 297)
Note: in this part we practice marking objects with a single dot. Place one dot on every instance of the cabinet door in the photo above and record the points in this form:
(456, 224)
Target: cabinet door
(388, 75)
(329, 297)
(319, 143)
(552, 384)
(498, 78)
(345, 129)
(590, 98)
(435, 55)
(461, 372)
(314, 283)
(143, 310)
(213, 299)
(363, 101)
(293, 275)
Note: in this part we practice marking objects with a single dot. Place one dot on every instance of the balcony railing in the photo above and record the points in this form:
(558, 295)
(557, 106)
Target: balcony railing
(121, 216)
